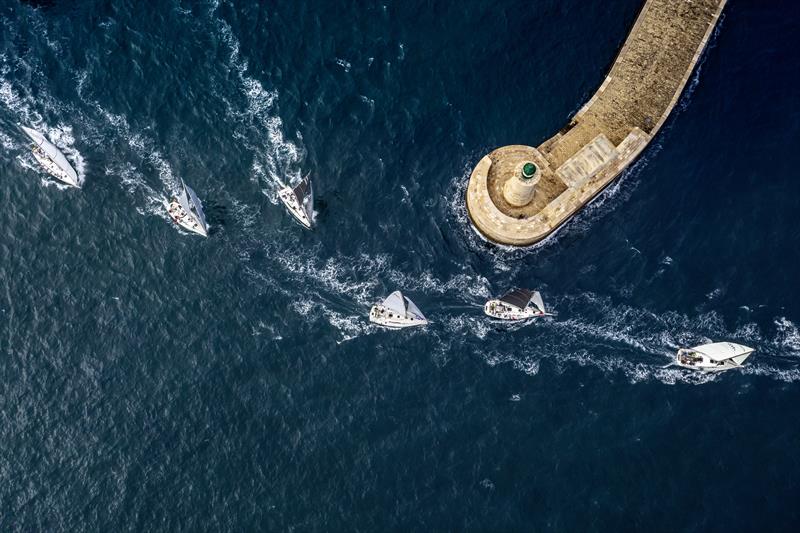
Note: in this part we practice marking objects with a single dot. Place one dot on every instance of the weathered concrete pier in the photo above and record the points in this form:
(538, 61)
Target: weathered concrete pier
(519, 195)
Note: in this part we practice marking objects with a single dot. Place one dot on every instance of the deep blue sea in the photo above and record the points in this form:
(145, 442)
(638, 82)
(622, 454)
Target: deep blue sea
(153, 380)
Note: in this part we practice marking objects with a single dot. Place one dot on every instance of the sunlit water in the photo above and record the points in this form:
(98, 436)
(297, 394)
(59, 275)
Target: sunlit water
(155, 380)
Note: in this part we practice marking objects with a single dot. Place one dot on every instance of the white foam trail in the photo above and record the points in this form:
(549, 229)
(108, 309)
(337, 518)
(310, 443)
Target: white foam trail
(24, 107)
(246, 215)
(145, 148)
(688, 91)
(262, 327)
(331, 275)
(529, 366)
(134, 182)
(350, 326)
(279, 165)
(790, 375)
(40, 27)
(788, 338)
(475, 286)
(6, 142)
(346, 66)
(617, 339)
(345, 276)
(359, 279)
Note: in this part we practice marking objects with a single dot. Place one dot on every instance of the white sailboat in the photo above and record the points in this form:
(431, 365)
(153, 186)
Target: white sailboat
(299, 200)
(516, 304)
(397, 312)
(713, 357)
(187, 211)
(51, 158)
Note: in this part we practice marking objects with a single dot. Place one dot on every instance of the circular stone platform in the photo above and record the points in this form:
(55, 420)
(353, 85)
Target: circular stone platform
(488, 208)
(603, 137)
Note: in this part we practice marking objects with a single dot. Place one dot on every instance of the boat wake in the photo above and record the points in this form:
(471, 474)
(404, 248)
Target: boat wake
(24, 92)
(640, 344)
(258, 121)
(20, 104)
(342, 288)
(132, 177)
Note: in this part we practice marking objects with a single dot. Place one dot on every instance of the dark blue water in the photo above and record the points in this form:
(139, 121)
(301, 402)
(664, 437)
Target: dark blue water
(154, 380)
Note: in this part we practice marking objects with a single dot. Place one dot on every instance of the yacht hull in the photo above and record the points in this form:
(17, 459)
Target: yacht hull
(386, 318)
(177, 214)
(497, 310)
(708, 368)
(688, 358)
(54, 170)
(288, 198)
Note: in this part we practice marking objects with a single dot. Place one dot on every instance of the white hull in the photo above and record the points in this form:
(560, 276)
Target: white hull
(689, 358)
(51, 158)
(288, 198)
(393, 320)
(710, 367)
(53, 169)
(499, 310)
(184, 220)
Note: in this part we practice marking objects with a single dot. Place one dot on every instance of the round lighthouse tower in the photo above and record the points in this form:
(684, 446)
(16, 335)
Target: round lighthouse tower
(518, 190)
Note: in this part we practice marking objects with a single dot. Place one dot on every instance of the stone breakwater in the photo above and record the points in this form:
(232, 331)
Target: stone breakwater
(603, 138)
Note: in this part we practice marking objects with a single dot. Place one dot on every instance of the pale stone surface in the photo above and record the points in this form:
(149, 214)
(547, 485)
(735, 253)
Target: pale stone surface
(605, 136)
(518, 191)
(587, 161)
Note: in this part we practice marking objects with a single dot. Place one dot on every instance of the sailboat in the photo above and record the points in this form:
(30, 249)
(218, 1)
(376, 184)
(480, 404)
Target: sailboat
(713, 357)
(51, 158)
(187, 211)
(516, 304)
(299, 200)
(397, 312)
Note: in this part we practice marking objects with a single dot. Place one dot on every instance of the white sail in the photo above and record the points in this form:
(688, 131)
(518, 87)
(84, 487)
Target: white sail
(537, 301)
(413, 311)
(183, 199)
(192, 205)
(198, 207)
(722, 351)
(395, 302)
(739, 359)
(37, 137)
(52, 152)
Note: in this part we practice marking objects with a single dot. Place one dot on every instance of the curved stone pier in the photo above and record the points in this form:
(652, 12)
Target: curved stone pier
(605, 136)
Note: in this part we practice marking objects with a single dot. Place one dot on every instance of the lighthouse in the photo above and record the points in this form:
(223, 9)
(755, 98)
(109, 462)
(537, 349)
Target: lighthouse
(519, 189)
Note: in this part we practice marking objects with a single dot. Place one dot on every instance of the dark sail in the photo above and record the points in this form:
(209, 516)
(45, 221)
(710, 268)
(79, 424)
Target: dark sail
(305, 197)
(302, 190)
(517, 297)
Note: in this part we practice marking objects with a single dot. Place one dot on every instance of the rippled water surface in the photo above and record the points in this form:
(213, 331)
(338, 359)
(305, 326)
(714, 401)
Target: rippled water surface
(154, 380)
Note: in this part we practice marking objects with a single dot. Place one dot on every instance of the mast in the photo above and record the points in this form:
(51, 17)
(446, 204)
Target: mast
(304, 193)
